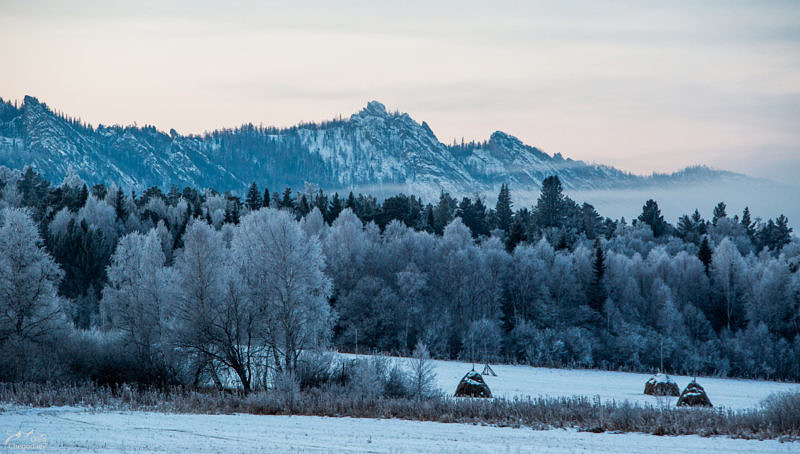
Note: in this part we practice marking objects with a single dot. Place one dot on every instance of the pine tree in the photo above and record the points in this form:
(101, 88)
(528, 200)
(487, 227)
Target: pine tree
(232, 211)
(286, 201)
(302, 206)
(265, 199)
(597, 292)
(719, 213)
(651, 215)
(700, 224)
(563, 243)
(705, 254)
(748, 224)
(686, 227)
(444, 212)
(430, 222)
(503, 209)
(549, 211)
(119, 206)
(591, 221)
(775, 234)
(516, 235)
(253, 200)
(334, 209)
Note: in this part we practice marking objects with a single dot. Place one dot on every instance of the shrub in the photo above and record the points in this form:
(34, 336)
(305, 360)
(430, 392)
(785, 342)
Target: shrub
(782, 412)
(423, 375)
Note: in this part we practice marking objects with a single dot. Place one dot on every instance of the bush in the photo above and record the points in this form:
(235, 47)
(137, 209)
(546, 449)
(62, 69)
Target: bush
(314, 369)
(782, 412)
(423, 376)
(107, 359)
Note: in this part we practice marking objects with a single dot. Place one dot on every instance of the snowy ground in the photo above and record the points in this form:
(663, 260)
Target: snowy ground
(527, 381)
(523, 381)
(77, 430)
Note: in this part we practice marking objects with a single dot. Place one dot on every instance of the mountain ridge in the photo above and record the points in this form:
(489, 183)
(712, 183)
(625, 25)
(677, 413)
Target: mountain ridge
(375, 148)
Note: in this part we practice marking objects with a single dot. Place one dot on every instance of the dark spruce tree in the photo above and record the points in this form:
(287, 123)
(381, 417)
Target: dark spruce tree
(232, 211)
(748, 224)
(651, 215)
(705, 254)
(517, 234)
(83, 254)
(591, 223)
(549, 211)
(474, 216)
(503, 210)
(720, 211)
(286, 201)
(303, 208)
(775, 234)
(119, 206)
(253, 199)
(334, 208)
(597, 290)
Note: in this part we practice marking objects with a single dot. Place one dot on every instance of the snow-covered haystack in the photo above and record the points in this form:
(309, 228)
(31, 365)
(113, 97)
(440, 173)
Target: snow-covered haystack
(694, 396)
(661, 385)
(472, 385)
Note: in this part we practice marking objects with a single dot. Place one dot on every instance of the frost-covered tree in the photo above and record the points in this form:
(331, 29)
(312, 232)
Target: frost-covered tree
(139, 293)
(101, 217)
(313, 224)
(209, 318)
(728, 278)
(423, 372)
(282, 273)
(29, 304)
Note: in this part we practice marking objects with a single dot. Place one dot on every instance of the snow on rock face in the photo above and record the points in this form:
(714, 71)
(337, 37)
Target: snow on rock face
(374, 150)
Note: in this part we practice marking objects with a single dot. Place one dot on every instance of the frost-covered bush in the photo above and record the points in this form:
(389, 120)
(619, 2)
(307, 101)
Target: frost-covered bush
(368, 377)
(314, 369)
(422, 374)
(782, 411)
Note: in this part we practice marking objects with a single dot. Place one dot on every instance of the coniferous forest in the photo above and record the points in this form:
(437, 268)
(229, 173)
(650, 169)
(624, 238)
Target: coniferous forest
(102, 284)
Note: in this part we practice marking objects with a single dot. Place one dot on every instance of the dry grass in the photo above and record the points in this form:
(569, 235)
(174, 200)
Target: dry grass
(779, 416)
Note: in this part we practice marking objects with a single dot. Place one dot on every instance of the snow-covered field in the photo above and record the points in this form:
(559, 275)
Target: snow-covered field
(77, 430)
(521, 381)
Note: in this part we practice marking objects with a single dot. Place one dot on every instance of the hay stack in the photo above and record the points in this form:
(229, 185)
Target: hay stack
(661, 385)
(694, 396)
(472, 385)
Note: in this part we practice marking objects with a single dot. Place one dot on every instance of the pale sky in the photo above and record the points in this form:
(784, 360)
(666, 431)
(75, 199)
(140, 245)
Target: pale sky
(641, 86)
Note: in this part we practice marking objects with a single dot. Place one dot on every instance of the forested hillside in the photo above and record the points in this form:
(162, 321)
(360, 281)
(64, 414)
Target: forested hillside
(373, 151)
(171, 287)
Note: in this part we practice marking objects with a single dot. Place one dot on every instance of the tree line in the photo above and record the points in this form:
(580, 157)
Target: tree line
(193, 285)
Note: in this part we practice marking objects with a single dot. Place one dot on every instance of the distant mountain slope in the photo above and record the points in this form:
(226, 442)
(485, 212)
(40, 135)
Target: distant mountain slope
(373, 149)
